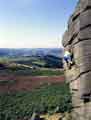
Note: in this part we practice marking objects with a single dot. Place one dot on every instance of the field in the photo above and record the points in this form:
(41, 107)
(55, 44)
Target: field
(17, 83)
(27, 84)
(47, 99)
(37, 61)
(20, 73)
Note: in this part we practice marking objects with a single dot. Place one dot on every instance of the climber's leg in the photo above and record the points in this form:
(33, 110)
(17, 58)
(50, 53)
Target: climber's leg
(68, 61)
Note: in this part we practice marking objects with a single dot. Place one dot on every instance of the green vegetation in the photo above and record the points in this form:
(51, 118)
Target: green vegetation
(34, 66)
(24, 60)
(45, 61)
(38, 72)
(46, 99)
(19, 70)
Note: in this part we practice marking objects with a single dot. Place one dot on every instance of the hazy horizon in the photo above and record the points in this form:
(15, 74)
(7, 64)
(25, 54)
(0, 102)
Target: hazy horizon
(33, 23)
(35, 48)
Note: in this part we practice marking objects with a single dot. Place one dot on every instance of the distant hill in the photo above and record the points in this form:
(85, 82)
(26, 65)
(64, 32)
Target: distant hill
(52, 61)
(58, 52)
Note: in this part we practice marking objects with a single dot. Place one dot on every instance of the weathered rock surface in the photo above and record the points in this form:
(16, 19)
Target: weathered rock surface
(78, 35)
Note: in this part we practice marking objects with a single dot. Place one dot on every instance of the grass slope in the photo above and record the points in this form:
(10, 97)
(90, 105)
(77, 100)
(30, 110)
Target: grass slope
(48, 98)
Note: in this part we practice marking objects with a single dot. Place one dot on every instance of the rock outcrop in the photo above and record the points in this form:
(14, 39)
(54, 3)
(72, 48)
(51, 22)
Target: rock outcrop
(78, 36)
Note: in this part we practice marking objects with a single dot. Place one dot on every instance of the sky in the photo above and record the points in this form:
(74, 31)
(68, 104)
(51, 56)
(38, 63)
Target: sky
(34, 23)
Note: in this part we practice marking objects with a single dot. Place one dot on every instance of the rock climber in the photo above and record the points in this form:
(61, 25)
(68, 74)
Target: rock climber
(68, 57)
